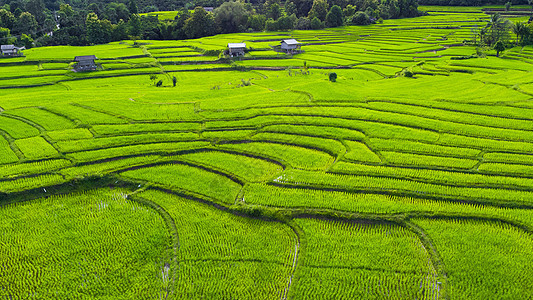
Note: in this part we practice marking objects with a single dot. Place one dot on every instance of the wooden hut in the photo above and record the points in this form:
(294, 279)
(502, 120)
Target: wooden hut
(290, 46)
(11, 50)
(236, 49)
(85, 63)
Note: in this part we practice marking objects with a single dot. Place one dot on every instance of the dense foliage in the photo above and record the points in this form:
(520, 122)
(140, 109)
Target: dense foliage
(41, 23)
(471, 2)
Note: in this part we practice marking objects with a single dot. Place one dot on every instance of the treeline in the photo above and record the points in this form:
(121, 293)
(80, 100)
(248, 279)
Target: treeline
(471, 2)
(38, 22)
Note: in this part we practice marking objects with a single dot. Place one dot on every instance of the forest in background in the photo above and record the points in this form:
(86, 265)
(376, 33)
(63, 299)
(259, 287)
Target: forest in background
(46, 23)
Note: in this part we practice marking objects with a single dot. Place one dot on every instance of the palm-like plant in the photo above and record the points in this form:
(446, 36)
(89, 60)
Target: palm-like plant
(520, 29)
(497, 26)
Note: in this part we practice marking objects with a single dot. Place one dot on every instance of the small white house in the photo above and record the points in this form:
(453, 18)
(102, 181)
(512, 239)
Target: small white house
(236, 49)
(11, 50)
(290, 46)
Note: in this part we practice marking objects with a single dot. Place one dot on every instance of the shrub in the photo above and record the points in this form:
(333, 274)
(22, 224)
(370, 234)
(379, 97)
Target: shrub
(361, 18)
(334, 18)
(333, 77)
(159, 83)
(303, 23)
(271, 25)
(316, 23)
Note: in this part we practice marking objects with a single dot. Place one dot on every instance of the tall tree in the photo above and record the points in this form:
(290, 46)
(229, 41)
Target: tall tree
(303, 7)
(201, 23)
(499, 47)
(273, 11)
(319, 10)
(231, 17)
(135, 26)
(94, 30)
(497, 28)
(520, 29)
(334, 18)
(7, 19)
(37, 9)
(26, 23)
(133, 7)
(4, 35)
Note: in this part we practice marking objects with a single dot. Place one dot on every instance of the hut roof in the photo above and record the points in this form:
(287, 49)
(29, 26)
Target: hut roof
(290, 42)
(85, 57)
(236, 45)
(7, 47)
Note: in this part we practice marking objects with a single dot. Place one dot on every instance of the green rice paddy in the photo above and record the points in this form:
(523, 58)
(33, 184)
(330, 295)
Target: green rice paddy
(258, 178)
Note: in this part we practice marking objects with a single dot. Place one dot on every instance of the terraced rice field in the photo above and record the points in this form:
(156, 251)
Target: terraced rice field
(261, 179)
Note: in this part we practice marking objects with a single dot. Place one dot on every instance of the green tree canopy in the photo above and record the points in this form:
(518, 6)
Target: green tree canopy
(334, 18)
(201, 23)
(319, 10)
(7, 19)
(26, 23)
(231, 16)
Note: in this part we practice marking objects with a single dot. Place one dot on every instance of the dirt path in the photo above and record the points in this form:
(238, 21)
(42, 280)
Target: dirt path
(294, 262)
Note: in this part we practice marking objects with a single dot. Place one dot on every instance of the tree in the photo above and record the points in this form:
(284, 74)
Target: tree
(497, 27)
(521, 30)
(7, 19)
(120, 31)
(334, 18)
(303, 7)
(4, 35)
(508, 6)
(273, 11)
(361, 18)
(333, 77)
(116, 11)
(37, 9)
(174, 80)
(26, 23)
(304, 23)
(499, 47)
(201, 23)
(316, 23)
(271, 25)
(135, 26)
(290, 8)
(408, 8)
(93, 29)
(349, 10)
(231, 17)
(26, 41)
(287, 22)
(257, 22)
(319, 10)
(132, 7)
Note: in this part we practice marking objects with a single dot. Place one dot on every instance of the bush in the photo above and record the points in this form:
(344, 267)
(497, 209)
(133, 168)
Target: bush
(257, 22)
(316, 23)
(286, 22)
(303, 23)
(159, 83)
(271, 25)
(333, 77)
(334, 18)
(361, 18)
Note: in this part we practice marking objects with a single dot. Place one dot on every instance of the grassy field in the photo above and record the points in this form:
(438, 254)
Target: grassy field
(259, 178)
